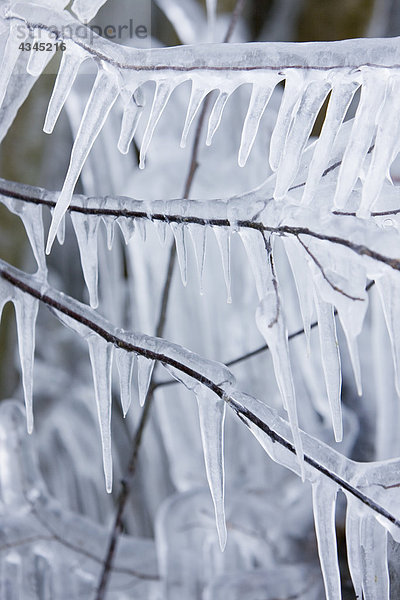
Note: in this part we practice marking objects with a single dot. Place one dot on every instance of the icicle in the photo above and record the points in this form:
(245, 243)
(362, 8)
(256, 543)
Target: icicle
(294, 87)
(125, 364)
(270, 324)
(162, 93)
(102, 98)
(374, 559)
(339, 102)
(212, 418)
(161, 228)
(260, 97)
(60, 230)
(109, 223)
(211, 17)
(179, 231)
(389, 292)
(353, 543)
(372, 96)
(31, 217)
(299, 134)
(141, 227)
(223, 236)
(37, 58)
(26, 309)
(87, 9)
(67, 72)
(101, 359)
(127, 227)
(324, 503)
(216, 115)
(10, 56)
(196, 98)
(385, 148)
(304, 286)
(130, 121)
(198, 234)
(145, 368)
(330, 361)
(86, 227)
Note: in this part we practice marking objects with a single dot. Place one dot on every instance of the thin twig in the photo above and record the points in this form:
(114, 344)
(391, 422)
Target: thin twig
(242, 411)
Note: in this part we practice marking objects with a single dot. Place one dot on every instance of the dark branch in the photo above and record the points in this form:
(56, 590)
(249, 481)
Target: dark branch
(242, 412)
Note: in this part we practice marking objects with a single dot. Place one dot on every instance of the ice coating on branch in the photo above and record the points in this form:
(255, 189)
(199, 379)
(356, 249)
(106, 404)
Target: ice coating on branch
(125, 363)
(38, 59)
(330, 361)
(87, 9)
(145, 368)
(223, 236)
(363, 131)
(324, 504)
(26, 309)
(198, 233)
(86, 228)
(103, 95)
(179, 231)
(66, 76)
(162, 94)
(212, 417)
(260, 96)
(308, 69)
(101, 353)
(341, 97)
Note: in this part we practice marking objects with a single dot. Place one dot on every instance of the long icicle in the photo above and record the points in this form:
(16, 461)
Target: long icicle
(104, 93)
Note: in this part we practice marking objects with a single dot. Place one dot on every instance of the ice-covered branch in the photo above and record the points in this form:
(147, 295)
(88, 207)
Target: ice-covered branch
(373, 486)
(311, 71)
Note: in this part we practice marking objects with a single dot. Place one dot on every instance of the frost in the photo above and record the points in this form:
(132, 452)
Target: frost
(101, 358)
(212, 417)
